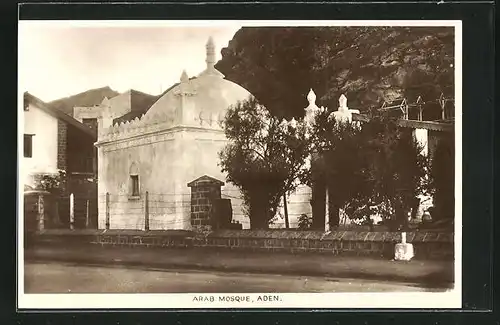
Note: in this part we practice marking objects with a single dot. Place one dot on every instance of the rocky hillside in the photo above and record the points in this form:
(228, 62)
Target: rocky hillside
(369, 64)
(88, 98)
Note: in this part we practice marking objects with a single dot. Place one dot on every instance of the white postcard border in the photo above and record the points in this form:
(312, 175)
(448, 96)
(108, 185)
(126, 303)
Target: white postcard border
(450, 299)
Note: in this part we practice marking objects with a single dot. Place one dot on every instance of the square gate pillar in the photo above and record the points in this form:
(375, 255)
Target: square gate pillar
(204, 191)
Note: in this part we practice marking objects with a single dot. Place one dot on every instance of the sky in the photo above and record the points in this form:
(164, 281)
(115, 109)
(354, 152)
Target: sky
(60, 59)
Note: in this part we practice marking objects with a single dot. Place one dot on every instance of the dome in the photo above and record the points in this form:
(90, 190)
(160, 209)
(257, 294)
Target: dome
(204, 98)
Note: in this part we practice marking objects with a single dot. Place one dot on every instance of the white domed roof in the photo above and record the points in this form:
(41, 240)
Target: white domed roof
(204, 98)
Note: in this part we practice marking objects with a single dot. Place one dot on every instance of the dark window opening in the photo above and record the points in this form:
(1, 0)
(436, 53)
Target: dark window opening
(135, 185)
(90, 122)
(28, 145)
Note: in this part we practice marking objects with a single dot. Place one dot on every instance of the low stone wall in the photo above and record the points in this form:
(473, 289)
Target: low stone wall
(427, 245)
(152, 238)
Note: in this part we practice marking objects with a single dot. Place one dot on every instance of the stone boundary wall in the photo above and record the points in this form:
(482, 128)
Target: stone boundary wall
(428, 245)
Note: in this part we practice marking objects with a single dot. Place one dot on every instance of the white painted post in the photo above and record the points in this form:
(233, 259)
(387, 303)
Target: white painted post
(87, 217)
(403, 251)
(327, 211)
(107, 211)
(146, 212)
(71, 211)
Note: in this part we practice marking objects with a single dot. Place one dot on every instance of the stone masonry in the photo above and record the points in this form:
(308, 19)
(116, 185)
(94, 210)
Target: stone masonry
(204, 191)
(62, 131)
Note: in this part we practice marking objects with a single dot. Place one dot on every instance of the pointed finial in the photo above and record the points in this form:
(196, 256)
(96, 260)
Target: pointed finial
(342, 102)
(210, 42)
(184, 76)
(210, 47)
(311, 97)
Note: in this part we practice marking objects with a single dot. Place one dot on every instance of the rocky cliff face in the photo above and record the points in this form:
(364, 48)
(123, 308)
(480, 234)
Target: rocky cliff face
(369, 65)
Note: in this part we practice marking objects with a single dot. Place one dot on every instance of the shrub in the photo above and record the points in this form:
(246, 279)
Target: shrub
(52, 183)
(305, 222)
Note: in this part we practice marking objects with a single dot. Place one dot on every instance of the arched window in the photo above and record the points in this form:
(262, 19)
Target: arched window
(134, 180)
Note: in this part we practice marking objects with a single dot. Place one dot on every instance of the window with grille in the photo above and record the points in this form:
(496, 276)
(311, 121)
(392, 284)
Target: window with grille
(90, 122)
(135, 185)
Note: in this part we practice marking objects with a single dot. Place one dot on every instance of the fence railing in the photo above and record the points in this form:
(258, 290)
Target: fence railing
(76, 212)
(145, 210)
(44, 210)
(440, 109)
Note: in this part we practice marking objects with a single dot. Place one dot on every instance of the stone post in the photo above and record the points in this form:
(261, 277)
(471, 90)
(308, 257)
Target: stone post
(204, 191)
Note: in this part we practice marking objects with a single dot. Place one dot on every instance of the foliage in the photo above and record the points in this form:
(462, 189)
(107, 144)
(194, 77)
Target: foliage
(396, 169)
(377, 169)
(265, 157)
(279, 65)
(341, 165)
(53, 183)
(374, 168)
(443, 179)
(304, 222)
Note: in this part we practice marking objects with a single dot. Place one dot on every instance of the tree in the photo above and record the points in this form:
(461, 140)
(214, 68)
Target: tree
(443, 179)
(265, 158)
(341, 164)
(279, 65)
(375, 167)
(52, 183)
(396, 169)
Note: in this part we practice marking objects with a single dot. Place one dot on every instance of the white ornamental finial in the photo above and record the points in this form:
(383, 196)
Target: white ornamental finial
(311, 98)
(344, 114)
(343, 103)
(184, 76)
(210, 53)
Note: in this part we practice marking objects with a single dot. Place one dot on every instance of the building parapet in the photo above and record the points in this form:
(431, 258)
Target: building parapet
(151, 123)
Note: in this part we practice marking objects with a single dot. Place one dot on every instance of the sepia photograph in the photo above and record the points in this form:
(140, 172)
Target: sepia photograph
(239, 164)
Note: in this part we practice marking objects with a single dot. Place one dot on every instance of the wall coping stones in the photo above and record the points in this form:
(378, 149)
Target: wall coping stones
(205, 180)
(362, 236)
(411, 237)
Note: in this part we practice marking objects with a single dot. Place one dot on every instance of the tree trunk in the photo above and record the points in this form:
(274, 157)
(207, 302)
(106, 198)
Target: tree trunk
(401, 216)
(318, 205)
(334, 216)
(258, 224)
(259, 214)
(414, 209)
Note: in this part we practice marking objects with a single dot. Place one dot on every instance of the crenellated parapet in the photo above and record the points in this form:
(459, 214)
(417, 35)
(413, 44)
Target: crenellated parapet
(198, 103)
(150, 123)
(145, 124)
